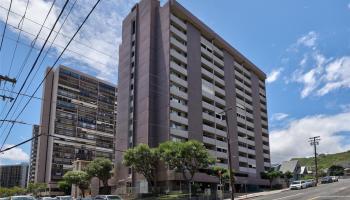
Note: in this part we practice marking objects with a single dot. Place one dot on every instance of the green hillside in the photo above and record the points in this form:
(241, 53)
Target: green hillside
(325, 161)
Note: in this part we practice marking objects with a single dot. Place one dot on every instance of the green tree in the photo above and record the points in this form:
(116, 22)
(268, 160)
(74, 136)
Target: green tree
(36, 188)
(65, 187)
(222, 173)
(143, 160)
(186, 157)
(100, 168)
(336, 170)
(287, 176)
(271, 175)
(79, 178)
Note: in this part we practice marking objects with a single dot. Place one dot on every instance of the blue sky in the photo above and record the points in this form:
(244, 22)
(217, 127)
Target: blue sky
(303, 47)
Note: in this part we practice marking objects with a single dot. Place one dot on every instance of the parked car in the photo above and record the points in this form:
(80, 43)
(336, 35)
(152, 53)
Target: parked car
(326, 179)
(310, 183)
(108, 197)
(48, 198)
(334, 178)
(23, 197)
(64, 198)
(298, 185)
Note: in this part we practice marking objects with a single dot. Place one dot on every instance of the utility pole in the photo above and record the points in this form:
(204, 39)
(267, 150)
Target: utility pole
(315, 141)
(4, 97)
(229, 153)
(7, 79)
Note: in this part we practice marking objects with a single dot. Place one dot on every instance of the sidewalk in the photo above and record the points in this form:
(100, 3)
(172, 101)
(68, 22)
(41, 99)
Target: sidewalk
(257, 194)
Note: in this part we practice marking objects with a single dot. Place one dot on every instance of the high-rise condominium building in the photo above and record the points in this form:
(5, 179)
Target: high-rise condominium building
(176, 77)
(14, 175)
(33, 153)
(78, 118)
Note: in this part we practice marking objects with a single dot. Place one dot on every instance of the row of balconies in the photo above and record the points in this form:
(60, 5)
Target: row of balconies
(178, 22)
(212, 66)
(243, 69)
(212, 56)
(211, 46)
(242, 85)
(212, 76)
(248, 97)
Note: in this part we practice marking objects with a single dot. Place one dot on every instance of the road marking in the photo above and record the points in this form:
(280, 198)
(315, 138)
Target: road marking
(289, 196)
(329, 197)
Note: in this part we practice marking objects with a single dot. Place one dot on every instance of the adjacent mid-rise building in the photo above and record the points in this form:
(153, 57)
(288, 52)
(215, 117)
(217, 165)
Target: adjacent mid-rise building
(176, 79)
(33, 153)
(78, 118)
(14, 175)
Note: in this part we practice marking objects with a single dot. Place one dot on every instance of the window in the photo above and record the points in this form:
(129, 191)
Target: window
(133, 28)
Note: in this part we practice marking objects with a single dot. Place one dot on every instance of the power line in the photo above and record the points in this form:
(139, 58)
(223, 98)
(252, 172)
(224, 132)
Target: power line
(35, 62)
(20, 24)
(70, 41)
(54, 136)
(4, 31)
(64, 35)
(28, 53)
(42, 60)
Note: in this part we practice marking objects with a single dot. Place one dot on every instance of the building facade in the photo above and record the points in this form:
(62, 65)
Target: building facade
(14, 175)
(33, 154)
(176, 77)
(78, 117)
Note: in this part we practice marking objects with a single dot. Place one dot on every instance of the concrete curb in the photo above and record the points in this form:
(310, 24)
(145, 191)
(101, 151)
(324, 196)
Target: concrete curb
(259, 194)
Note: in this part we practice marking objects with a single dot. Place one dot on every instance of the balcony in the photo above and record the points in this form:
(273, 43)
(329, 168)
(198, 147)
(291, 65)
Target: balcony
(245, 140)
(246, 150)
(206, 52)
(178, 56)
(178, 68)
(178, 21)
(247, 160)
(207, 73)
(207, 63)
(178, 32)
(214, 130)
(178, 80)
(247, 170)
(220, 101)
(178, 93)
(218, 51)
(217, 154)
(219, 61)
(178, 44)
(182, 120)
(178, 132)
(178, 106)
(208, 140)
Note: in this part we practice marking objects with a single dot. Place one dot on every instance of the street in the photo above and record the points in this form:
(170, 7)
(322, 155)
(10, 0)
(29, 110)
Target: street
(337, 190)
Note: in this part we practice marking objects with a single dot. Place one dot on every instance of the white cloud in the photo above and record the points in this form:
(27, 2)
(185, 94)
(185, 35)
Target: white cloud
(308, 40)
(292, 141)
(273, 75)
(102, 31)
(15, 154)
(337, 75)
(318, 74)
(279, 116)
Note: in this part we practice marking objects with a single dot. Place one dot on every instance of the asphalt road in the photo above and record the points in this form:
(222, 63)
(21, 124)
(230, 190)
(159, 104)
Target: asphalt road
(338, 190)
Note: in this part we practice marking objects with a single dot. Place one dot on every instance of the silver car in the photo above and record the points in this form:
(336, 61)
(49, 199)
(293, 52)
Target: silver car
(22, 198)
